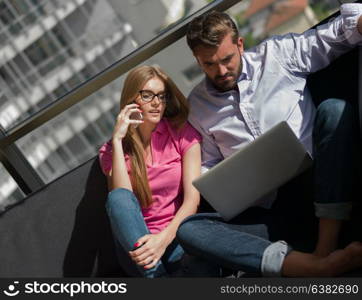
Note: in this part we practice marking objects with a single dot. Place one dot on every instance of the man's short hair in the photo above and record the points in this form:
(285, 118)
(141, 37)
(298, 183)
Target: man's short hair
(210, 29)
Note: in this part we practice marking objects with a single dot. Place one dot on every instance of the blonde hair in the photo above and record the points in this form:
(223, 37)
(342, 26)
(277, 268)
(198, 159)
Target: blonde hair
(176, 112)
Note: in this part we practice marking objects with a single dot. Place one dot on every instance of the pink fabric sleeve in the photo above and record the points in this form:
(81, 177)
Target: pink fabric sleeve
(105, 157)
(188, 137)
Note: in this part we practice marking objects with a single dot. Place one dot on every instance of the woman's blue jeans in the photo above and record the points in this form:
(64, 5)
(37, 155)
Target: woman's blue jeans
(128, 226)
(254, 241)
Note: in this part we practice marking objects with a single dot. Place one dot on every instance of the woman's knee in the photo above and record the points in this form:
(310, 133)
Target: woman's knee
(121, 199)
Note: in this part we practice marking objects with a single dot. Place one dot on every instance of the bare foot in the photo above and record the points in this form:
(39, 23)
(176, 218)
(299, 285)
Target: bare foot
(299, 264)
(347, 259)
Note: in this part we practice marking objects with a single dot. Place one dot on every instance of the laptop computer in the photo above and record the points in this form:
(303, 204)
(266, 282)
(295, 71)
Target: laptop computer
(254, 171)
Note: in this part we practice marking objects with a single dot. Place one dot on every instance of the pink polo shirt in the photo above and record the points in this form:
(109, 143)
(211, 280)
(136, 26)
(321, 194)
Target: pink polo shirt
(168, 146)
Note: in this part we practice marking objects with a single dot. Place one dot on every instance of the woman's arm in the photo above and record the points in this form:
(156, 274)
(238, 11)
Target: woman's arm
(118, 176)
(155, 244)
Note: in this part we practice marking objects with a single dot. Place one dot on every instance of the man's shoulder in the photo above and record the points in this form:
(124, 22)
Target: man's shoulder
(197, 93)
(197, 88)
(276, 47)
(271, 42)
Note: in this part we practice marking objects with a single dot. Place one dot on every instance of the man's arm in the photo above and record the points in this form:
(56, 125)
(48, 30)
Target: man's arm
(317, 48)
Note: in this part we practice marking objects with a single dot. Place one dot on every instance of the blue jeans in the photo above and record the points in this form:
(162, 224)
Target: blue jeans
(258, 240)
(128, 226)
(334, 159)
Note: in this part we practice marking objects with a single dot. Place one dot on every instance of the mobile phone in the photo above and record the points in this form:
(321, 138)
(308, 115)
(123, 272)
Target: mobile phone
(136, 116)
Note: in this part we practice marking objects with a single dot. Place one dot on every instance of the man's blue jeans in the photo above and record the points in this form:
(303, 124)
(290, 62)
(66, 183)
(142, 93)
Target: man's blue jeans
(258, 240)
(128, 226)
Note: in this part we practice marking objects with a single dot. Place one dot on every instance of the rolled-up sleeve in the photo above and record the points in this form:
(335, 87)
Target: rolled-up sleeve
(316, 48)
(351, 13)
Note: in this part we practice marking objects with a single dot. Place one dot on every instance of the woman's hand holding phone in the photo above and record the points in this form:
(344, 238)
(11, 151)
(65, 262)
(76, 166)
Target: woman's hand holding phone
(125, 118)
(136, 116)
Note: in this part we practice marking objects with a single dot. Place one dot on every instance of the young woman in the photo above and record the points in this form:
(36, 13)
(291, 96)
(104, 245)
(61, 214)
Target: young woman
(150, 162)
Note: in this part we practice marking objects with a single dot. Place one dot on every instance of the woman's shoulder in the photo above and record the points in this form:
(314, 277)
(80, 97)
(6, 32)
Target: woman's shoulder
(105, 152)
(106, 147)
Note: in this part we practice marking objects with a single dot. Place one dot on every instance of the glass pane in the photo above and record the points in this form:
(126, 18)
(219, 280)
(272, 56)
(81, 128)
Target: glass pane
(10, 193)
(84, 38)
(73, 137)
(77, 134)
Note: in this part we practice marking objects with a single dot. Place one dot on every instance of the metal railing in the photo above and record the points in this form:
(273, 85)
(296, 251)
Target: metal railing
(12, 158)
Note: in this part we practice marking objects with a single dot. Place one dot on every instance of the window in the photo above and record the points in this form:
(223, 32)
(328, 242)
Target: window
(102, 123)
(42, 49)
(9, 18)
(92, 136)
(63, 154)
(60, 34)
(11, 78)
(76, 146)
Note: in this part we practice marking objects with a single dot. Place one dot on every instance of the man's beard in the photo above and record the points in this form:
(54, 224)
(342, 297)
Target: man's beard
(229, 84)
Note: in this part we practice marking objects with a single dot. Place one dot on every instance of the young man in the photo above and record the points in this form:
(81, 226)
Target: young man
(243, 95)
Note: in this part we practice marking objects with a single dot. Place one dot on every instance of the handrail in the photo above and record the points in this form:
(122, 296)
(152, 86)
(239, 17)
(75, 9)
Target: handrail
(79, 93)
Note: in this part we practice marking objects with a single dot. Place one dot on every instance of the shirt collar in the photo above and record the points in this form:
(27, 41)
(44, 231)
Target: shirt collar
(244, 70)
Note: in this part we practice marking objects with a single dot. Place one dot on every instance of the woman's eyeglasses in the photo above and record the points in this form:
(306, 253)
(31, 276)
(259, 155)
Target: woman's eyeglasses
(148, 96)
